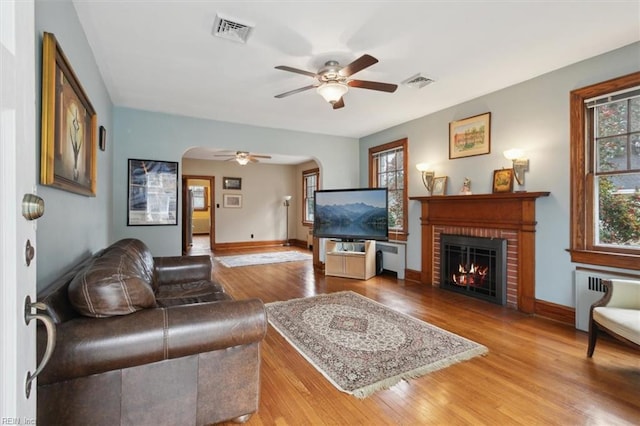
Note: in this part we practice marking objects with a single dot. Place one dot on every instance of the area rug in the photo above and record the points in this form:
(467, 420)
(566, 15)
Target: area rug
(262, 258)
(362, 346)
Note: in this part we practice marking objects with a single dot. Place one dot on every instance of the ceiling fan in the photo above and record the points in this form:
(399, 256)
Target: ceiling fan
(333, 80)
(242, 157)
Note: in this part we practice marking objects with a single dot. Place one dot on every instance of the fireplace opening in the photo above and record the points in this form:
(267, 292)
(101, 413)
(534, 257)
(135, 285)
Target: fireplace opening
(475, 266)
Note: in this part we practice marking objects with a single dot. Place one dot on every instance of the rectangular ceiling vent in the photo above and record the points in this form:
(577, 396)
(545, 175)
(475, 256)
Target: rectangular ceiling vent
(231, 29)
(417, 81)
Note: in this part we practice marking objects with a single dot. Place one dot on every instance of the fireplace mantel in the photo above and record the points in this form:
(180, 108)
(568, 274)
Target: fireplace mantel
(514, 211)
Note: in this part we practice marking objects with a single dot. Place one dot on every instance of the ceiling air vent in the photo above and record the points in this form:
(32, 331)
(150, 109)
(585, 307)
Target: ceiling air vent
(231, 29)
(417, 81)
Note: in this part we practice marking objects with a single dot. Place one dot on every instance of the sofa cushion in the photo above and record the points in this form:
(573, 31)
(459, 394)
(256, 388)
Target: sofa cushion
(623, 322)
(138, 255)
(189, 293)
(112, 284)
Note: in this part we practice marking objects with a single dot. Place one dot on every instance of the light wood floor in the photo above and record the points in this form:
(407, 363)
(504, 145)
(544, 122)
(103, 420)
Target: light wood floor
(536, 372)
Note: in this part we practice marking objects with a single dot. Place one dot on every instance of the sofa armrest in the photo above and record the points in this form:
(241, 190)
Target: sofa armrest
(178, 269)
(86, 346)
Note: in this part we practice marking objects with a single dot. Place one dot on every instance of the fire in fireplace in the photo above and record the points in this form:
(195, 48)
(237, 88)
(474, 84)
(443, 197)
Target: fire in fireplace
(475, 266)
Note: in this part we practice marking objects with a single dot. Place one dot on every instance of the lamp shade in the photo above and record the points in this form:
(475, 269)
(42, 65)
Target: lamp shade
(287, 197)
(332, 91)
(422, 167)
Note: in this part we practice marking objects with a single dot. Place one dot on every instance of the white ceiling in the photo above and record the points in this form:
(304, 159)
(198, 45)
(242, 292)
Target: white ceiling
(161, 55)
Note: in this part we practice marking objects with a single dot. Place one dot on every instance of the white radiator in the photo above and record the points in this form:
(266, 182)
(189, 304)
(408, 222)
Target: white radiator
(589, 289)
(394, 257)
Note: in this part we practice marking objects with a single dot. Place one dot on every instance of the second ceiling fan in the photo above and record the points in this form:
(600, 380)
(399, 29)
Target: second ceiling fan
(243, 157)
(333, 80)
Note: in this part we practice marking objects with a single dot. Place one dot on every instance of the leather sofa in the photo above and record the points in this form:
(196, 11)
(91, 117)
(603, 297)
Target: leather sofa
(148, 341)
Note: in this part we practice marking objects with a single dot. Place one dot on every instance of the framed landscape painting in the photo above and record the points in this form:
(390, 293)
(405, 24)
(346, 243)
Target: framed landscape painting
(68, 136)
(470, 136)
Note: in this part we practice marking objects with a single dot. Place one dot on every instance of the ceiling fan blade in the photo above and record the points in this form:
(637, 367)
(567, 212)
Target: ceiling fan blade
(359, 64)
(373, 85)
(253, 160)
(296, 70)
(293, 92)
(339, 103)
(261, 156)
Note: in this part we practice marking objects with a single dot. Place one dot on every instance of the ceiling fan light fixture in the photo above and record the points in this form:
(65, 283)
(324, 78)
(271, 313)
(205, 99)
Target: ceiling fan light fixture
(242, 158)
(332, 91)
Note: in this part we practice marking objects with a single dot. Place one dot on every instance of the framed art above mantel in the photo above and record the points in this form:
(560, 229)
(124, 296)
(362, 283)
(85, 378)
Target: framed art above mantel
(470, 136)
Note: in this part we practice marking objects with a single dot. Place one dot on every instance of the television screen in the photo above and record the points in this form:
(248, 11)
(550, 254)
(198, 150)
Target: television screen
(351, 214)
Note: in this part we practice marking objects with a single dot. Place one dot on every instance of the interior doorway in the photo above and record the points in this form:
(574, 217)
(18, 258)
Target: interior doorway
(198, 213)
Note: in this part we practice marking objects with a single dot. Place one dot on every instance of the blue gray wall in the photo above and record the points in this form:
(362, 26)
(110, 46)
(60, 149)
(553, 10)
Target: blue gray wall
(154, 136)
(533, 116)
(73, 226)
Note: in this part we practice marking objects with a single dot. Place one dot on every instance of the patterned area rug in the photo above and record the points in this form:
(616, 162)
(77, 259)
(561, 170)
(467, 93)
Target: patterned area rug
(262, 258)
(362, 346)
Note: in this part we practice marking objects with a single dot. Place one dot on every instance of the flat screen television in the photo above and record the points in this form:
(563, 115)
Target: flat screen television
(351, 214)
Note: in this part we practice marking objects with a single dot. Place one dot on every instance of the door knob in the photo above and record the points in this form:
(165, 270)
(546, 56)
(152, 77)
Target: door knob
(32, 206)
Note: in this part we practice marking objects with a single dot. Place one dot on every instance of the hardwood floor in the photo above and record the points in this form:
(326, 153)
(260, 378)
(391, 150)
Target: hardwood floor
(536, 371)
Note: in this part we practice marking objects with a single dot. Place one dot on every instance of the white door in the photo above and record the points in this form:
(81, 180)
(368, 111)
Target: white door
(17, 177)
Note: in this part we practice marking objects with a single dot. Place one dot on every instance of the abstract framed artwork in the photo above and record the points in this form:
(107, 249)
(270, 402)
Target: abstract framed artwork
(470, 136)
(502, 180)
(153, 193)
(68, 136)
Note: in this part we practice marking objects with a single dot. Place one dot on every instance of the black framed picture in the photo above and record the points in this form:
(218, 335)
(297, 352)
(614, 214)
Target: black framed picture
(153, 193)
(231, 183)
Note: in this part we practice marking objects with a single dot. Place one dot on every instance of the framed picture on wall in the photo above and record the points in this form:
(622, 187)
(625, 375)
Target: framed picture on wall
(231, 183)
(153, 193)
(233, 201)
(68, 146)
(470, 136)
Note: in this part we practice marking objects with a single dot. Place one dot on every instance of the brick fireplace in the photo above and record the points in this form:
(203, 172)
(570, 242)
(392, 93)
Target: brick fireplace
(509, 216)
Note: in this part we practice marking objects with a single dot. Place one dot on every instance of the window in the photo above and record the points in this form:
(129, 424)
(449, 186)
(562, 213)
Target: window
(310, 180)
(199, 198)
(605, 173)
(387, 165)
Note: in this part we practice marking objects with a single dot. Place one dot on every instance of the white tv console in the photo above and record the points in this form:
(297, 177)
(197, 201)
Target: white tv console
(350, 259)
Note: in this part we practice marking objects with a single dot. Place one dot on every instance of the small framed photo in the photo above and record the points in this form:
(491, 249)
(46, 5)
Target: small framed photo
(233, 201)
(231, 183)
(502, 180)
(103, 138)
(470, 136)
(439, 186)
